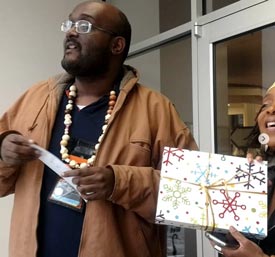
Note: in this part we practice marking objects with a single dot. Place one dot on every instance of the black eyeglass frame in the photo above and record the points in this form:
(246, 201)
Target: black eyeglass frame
(90, 27)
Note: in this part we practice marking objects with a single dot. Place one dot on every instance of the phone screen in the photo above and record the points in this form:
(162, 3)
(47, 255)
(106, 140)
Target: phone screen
(222, 239)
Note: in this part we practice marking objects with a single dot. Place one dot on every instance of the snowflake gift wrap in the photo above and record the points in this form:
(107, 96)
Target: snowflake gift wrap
(212, 191)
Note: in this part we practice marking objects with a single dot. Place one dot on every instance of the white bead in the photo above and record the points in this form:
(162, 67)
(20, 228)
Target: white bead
(69, 107)
(72, 163)
(100, 138)
(63, 150)
(83, 165)
(66, 137)
(97, 146)
(64, 142)
(104, 128)
(107, 116)
(91, 160)
(65, 156)
(67, 115)
(72, 88)
(72, 93)
(67, 122)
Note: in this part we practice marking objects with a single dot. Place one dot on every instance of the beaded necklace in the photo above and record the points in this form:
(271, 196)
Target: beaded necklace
(73, 161)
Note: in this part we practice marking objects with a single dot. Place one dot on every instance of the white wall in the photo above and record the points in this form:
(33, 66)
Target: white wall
(31, 50)
(143, 16)
(144, 25)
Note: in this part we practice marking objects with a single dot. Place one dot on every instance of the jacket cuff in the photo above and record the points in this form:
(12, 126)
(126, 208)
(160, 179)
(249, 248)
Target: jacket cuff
(110, 198)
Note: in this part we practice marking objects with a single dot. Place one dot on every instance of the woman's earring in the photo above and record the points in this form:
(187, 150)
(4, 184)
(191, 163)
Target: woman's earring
(263, 140)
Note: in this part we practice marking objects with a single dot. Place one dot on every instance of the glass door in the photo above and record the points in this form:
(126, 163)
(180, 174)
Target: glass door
(236, 59)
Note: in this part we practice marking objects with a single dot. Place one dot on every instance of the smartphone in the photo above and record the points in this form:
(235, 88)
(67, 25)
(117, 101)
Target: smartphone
(222, 239)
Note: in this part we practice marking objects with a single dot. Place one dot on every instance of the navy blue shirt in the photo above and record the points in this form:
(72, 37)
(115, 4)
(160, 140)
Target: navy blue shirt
(59, 228)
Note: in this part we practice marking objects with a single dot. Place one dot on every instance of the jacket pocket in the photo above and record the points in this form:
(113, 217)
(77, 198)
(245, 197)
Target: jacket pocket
(139, 153)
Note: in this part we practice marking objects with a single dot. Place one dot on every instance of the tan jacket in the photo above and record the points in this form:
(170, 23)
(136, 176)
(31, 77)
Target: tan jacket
(143, 122)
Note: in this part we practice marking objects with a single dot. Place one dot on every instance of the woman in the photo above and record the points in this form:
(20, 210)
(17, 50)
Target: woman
(265, 126)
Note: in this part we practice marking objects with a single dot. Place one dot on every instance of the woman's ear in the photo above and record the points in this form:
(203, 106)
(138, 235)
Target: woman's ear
(118, 45)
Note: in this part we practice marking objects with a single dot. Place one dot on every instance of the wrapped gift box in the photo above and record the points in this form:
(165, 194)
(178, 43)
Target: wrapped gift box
(212, 191)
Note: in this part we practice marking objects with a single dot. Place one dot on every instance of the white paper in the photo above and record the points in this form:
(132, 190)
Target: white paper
(54, 164)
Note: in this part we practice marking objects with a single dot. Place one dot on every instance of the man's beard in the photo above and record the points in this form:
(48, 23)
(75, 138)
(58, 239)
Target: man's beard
(86, 66)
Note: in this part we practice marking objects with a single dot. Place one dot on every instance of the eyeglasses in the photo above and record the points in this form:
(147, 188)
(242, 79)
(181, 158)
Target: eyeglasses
(82, 27)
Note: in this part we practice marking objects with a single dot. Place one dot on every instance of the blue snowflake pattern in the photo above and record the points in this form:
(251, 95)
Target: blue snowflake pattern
(202, 174)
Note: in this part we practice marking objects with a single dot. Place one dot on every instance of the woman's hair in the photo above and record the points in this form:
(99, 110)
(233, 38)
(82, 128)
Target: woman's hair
(252, 138)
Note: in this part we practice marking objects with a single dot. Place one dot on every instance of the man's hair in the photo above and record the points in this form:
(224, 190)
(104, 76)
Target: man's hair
(124, 29)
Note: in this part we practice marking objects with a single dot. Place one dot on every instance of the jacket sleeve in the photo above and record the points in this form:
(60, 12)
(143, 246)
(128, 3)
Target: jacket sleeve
(136, 188)
(8, 174)
(20, 117)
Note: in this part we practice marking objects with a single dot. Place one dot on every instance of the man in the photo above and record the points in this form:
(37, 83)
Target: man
(111, 132)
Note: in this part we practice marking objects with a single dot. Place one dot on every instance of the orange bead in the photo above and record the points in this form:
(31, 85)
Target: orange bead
(112, 103)
(112, 97)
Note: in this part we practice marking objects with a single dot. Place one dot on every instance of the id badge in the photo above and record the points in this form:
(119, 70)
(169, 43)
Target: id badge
(65, 195)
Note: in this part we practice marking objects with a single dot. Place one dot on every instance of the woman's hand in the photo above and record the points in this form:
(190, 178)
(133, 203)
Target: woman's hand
(247, 248)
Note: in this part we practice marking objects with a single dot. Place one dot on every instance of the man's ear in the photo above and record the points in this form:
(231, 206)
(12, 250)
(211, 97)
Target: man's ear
(118, 45)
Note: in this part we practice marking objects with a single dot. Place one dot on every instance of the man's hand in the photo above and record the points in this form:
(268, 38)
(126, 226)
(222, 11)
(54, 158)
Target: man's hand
(16, 150)
(94, 183)
(247, 248)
